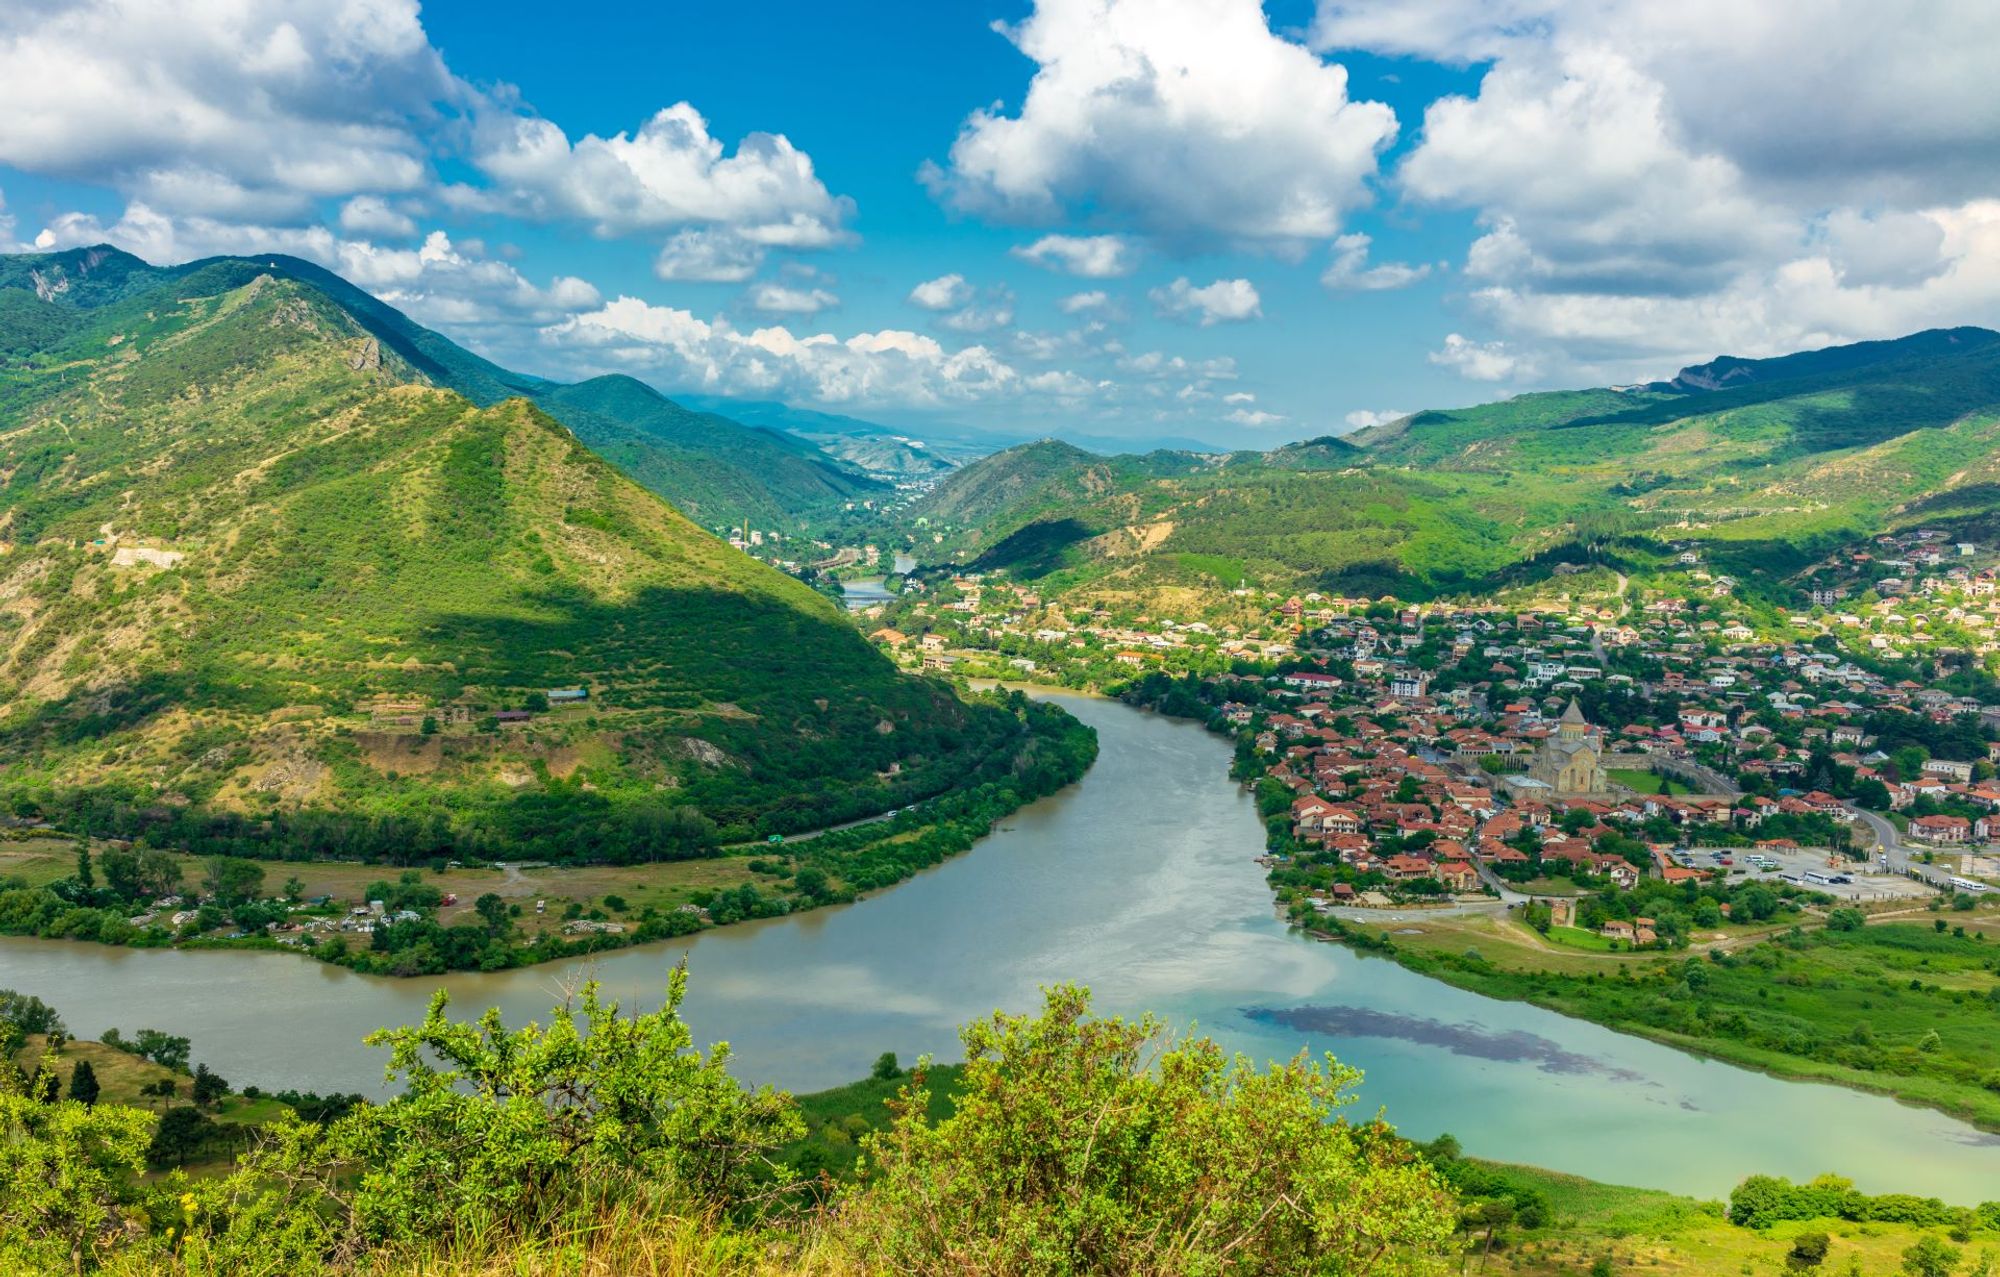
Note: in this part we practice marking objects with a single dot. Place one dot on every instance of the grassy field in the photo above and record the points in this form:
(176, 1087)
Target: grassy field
(1643, 1230)
(1899, 1006)
(120, 1075)
(664, 886)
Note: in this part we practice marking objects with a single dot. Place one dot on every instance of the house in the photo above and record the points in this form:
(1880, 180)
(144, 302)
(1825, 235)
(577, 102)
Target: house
(1949, 768)
(1941, 829)
(1458, 875)
(1401, 868)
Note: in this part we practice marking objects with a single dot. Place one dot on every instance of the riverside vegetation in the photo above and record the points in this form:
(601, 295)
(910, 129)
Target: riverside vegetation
(1065, 1144)
(1048, 751)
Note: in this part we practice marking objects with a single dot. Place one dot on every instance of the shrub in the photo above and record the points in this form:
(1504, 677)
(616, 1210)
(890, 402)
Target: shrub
(1081, 1144)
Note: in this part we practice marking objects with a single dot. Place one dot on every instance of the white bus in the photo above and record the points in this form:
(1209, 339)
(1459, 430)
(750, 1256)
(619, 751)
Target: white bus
(1969, 886)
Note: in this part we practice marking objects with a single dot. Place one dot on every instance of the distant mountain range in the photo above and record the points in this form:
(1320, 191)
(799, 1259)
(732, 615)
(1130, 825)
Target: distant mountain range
(254, 525)
(1768, 461)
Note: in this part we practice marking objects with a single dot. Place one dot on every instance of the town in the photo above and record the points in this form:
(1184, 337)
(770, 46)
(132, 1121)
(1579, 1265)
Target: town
(1556, 754)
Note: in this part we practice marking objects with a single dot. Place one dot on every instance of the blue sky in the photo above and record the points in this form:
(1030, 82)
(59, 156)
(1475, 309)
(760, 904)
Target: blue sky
(1132, 218)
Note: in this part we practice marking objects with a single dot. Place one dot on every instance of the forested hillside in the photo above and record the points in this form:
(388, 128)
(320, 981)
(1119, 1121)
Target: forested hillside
(1767, 461)
(254, 559)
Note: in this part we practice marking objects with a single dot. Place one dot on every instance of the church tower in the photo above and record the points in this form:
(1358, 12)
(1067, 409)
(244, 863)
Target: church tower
(1572, 726)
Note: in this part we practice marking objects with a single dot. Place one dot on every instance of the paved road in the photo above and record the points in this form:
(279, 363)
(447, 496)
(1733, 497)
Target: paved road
(811, 834)
(1903, 858)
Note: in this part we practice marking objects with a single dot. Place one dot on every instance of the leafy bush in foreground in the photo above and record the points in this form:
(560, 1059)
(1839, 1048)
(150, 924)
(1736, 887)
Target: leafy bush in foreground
(608, 1143)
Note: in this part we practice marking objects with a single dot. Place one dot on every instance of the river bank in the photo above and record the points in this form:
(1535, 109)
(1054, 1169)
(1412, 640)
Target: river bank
(1141, 882)
(413, 924)
(1905, 1010)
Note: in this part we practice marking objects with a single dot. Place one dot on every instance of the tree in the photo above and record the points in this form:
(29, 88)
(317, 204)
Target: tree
(295, 889)
(209, 1088)
(1931, 1256)
(140, 875)
(83, 1086)
(492, 911)
(28, 1013)
(1075, 1139)
(84, 877)
(886, 1068)
(169, 1051)
(1846, 920)
(811, 882)
(232, 879)
(178, 1137)
(1808, 1251)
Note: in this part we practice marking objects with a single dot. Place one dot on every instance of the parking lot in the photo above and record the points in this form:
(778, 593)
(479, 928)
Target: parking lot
(1869, 883)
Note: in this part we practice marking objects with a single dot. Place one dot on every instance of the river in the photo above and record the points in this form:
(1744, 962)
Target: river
(1139, 882)
(868, 591)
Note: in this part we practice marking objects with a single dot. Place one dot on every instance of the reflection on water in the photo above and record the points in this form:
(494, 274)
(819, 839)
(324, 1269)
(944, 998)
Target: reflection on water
(1140, 883)
(1513, 1045)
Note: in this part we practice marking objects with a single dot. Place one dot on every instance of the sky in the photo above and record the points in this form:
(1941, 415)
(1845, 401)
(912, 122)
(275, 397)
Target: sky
(1137, 219)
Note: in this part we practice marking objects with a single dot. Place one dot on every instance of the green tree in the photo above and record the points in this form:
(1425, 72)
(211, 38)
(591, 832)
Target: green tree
(1931, 1256)
(83, 1086)
(84, 877)
(178, 1137)
(232, 879)
(886, 1067)
(492, 911)
(28, 1013)
(811, 882)
(1079, 1144)
(1808, 1251)
(209, 1088)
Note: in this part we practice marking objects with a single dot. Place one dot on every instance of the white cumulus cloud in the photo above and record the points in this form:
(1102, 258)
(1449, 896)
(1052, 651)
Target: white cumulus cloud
(1659, 183)
(1188, 120)
(712, 255)
(1362, 418)
(1224, 301)
(773, 298)
(888, 367)
(1480, 361)
(373, 215)
(1350, 269)
(942, 293)
(1087, 256)
(670, 173)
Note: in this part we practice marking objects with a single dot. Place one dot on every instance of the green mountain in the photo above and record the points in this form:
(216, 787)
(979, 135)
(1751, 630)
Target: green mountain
(718, 471)
(715, 469)
(1770, 461)
(254, 560)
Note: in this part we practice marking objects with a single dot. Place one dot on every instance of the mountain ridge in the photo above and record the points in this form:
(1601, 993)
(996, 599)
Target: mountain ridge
(245, 544)
(723, 472)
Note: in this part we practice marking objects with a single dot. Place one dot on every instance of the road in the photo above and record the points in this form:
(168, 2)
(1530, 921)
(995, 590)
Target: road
(1902, 858)
(811, 834)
